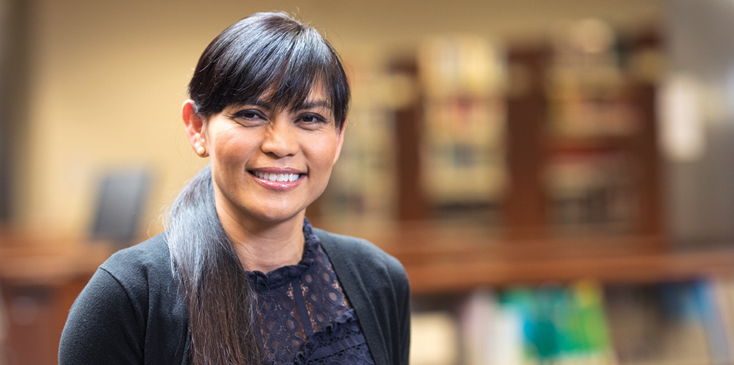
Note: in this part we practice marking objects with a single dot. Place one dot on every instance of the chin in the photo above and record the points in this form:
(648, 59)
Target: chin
(275, 217)
(280, 210)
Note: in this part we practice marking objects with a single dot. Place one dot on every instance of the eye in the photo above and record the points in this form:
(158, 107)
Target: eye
(249, 117)
(249, 114)
(310, 118)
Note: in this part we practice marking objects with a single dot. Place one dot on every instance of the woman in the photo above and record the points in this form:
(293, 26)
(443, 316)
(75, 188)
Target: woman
(240, 276)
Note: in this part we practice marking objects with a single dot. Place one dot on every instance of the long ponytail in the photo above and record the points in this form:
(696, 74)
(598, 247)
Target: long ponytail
(211, 279)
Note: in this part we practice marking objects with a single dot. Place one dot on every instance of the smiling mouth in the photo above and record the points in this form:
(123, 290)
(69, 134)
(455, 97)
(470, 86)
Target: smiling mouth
(277, 177)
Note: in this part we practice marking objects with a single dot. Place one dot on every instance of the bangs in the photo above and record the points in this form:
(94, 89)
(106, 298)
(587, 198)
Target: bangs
(274, 59)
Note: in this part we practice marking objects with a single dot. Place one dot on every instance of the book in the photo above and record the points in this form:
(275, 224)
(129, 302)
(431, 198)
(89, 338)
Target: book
(463, 153)
(711, 313)
(433, 339)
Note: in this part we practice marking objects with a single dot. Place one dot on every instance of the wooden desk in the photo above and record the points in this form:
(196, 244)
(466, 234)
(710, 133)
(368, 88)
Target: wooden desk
(40, 277)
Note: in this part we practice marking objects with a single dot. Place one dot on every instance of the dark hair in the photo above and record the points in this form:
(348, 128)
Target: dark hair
(268, 53)
(265, 54)
(212, 279)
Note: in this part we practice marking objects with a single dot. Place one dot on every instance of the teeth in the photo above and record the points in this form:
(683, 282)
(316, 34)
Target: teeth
(277, 177)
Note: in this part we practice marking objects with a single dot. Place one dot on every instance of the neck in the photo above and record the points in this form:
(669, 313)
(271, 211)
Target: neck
(265, 246)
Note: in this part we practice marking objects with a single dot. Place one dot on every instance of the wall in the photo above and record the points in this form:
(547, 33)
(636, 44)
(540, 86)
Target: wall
(107, 79)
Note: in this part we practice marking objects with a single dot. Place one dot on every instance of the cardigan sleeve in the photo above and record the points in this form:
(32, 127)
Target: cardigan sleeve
(102, 327)
(403, 295)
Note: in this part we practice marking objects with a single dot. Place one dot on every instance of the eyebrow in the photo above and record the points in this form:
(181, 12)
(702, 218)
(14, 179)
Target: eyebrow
(260, 102)
(310, 104)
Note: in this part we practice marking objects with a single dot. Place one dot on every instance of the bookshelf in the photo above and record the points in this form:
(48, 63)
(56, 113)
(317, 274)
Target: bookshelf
(560, 155)
(520, 151)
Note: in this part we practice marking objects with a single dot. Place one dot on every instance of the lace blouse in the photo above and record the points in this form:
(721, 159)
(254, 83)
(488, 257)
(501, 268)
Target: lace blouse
(305, 317)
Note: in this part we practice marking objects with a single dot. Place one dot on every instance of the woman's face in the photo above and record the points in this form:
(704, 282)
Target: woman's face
(269, 164)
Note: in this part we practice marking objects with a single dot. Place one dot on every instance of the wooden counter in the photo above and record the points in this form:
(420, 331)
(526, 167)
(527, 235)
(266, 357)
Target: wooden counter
(40, 276)
(445, 258)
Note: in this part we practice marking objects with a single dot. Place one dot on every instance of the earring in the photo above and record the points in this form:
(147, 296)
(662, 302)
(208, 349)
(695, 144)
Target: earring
(200, 150)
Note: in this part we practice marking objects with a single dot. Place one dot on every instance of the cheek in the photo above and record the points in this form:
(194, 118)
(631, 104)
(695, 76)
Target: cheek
(228, 159)
(324, 152)
(322, 160)
(231, 152)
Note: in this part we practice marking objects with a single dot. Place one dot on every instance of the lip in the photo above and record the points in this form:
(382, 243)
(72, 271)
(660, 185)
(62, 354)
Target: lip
(277, 185)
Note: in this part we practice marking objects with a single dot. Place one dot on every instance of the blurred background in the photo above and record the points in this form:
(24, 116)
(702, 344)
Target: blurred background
(556, 176)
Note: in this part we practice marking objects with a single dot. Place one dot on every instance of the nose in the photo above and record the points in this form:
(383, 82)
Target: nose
(280, 139)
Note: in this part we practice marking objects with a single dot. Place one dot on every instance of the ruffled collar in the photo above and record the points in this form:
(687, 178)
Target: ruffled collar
(318, 344)
(264, 282)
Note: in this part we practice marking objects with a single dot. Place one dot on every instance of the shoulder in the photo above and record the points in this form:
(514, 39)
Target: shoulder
(148, 260)
(130, 302)
(143, 273)
(147, 254)
(360, 255)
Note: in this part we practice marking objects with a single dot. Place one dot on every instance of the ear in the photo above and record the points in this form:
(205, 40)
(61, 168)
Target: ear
(340, 140)
(195, 127)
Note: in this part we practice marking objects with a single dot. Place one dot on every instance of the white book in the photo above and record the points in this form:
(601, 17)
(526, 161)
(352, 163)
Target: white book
(506, 341)
(433, 339)
(476, 322)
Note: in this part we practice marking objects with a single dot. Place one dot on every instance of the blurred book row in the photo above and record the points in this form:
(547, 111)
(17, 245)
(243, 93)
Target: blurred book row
(455, 159)
(675, 323)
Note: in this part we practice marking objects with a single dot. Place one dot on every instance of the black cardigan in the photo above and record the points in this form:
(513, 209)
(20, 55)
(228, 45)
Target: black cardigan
(130, 312)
